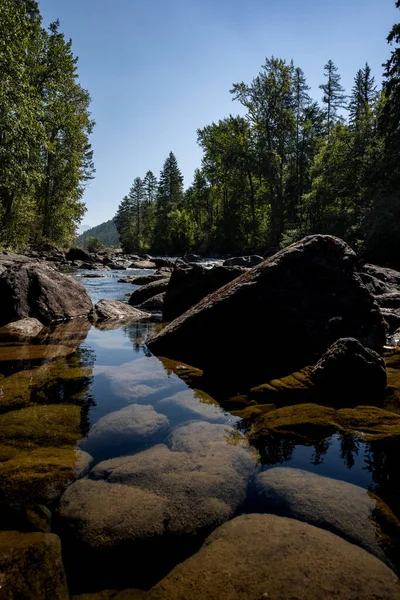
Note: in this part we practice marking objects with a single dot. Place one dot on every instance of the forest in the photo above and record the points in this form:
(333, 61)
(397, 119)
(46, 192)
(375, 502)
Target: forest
(45, 123)
(291, 166)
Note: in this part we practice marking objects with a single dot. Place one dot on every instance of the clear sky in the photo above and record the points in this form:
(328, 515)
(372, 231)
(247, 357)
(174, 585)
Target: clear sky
(159, 69)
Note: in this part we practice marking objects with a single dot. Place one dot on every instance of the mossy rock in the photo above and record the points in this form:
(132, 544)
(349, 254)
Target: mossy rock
(296, 387)
(54, 425)
(190, 375)
(310, 423)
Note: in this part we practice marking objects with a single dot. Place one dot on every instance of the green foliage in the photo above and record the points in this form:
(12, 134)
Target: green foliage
(45, 157)
(106, 233)
(93, 244)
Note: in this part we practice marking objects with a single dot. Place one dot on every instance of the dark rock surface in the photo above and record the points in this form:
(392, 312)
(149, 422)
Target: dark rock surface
(153, 304)
(243, 261)
(348, 374)
(148, 291)
(79, 254)
(191, 283)
(39, 291)
(308, 294)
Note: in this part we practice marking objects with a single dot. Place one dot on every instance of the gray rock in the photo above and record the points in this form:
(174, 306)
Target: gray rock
(153, 304)
(265, 556)
(31, 567)
(148, 291)
(26, 328)
(143, 264)
(193, 404)
(126, 428)
(337, 506)
(114, 309)
(39, 291)
(243, 261)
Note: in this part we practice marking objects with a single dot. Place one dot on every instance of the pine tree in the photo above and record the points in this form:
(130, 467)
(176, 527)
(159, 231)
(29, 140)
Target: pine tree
(391, 109)
(334, 96)
(168, 205)
(363, 97)
(150, 187)
(136, 199)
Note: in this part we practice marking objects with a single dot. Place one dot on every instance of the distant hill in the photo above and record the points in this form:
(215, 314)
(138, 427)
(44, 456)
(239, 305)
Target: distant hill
(106, 233)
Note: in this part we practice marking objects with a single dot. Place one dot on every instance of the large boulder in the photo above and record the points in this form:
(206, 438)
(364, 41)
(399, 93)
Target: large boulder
(384, 285)
(24, 328)
(348, 374)
(116, 310)
(78, 254)
(265, 556)
(156, 505)
(345, 509)
(190, 283)
(243, 261)
(148, 291)
(143, 264)
(144, 279)
(31, 567)
(153, 304)
(308, 294)
(39, 291)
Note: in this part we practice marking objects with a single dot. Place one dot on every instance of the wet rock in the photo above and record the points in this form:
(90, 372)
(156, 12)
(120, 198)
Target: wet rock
(144, 279)
(125, 431)
(191, 283)
(94, 275)
(310, 423)
(191, 258)
(148, 291)
(163, 262)
(192, 376)
(36, 290)
(153, 304)
(294, 388)
(337, 506)
(31, 566)
(308, 292)
(265, 556)
(75, 254)
(143, 264)
(157, 504)
(243, 261)
(349, 374)
(25, 328)
(114, 309)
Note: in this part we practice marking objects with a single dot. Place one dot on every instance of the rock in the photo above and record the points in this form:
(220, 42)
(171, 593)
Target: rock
(310, 423)
(155, 505)
(265, 556)
(190, 283)
(31, 566)
(190, 375)
(308, 292)
(36, 290)
(143, 264)
(125, 431)
(193, 404)
(144, 279)
(148, 291)
(389, 277)
(349, 374)
(116, 266)
(75, 254)
(94, 275)
(163, 262)
(294, 388)
(153, 304)
(114, 309)
(243, 261)
(191, 258)
(345, 509)
(25, 328)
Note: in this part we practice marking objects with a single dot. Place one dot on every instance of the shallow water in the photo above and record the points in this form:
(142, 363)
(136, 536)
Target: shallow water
(105, 371)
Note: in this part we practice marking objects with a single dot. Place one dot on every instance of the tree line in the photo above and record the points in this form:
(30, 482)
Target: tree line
(45, 123)
(289, 167)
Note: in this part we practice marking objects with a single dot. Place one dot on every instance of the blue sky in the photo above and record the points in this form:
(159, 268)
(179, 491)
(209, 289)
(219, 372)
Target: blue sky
(159, 69)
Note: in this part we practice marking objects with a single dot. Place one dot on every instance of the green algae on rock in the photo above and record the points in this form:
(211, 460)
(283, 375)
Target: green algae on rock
(31, 566)
(190, 375)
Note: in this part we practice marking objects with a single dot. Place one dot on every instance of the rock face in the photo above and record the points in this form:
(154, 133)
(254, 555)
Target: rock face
(155, 505)
(308, 293)
(342, 508)
(148, 291)
(243, 261)
(124, 430)
(154, 304)
(191, 283)
(264, 556)
(31, 566)
(350, 374)
(115, 310)
(25, 328)
(36, 290)
(384, 285)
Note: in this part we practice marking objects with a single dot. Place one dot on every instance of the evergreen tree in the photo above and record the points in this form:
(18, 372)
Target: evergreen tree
(363, 97)
(136, 199)
(168, 233)
(334, 96)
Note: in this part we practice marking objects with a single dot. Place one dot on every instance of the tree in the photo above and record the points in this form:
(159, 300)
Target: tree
(363, 97)
(334, 96)
(168, 234)
(93, 244)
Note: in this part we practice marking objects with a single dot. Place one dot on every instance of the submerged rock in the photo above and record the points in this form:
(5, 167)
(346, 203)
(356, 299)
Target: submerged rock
(308, 292)
(345, 509)
(157, 504)
(265, 556)
(125, 430)
(39, 291)
(348, 373)
(193, 404)
(106, 310)
(31, 567)
(190, 283)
